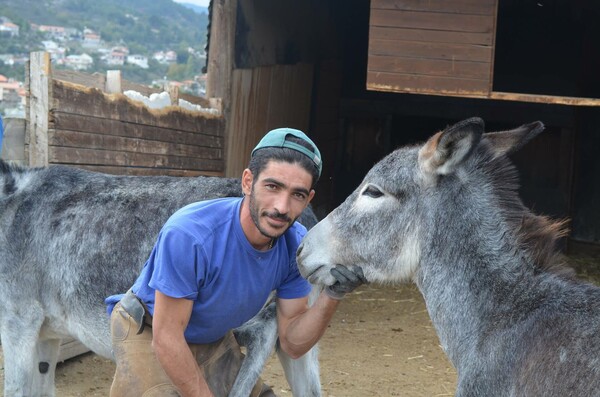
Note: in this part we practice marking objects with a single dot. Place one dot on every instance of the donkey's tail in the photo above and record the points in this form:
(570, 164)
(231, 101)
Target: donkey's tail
(11, 179)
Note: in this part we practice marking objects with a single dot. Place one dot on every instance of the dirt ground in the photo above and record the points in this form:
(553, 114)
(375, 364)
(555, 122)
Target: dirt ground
(380, 343)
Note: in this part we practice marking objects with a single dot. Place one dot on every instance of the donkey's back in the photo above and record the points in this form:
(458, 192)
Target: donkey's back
(68, 239)
(71, 237)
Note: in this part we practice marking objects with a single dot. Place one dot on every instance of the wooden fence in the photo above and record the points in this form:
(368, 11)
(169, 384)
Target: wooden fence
(86, 121)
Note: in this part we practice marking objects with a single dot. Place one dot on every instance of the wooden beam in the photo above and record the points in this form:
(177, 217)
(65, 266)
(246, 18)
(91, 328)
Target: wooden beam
(95, 80)
(548, 99)
(205, 136)
(70, 348)
(39, 104)
(142, 171)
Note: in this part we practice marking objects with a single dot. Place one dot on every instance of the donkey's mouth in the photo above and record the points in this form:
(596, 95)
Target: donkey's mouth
(310, 275)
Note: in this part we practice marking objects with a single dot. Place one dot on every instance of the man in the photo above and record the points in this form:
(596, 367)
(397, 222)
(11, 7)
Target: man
(213, 267)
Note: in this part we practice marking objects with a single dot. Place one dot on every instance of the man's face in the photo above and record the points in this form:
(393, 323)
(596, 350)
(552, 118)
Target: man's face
(278, 196)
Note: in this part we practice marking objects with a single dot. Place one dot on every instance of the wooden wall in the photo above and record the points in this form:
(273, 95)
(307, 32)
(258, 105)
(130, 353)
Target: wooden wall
(83, 126)
(432, 47)
(264, 98)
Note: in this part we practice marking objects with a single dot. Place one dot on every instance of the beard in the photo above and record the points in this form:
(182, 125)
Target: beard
(254, 214)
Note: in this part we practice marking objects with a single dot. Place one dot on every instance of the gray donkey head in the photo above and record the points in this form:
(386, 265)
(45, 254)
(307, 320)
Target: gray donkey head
(419, 201)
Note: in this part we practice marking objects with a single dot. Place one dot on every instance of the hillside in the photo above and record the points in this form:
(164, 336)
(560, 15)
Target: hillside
(147, 25)
(140, 27)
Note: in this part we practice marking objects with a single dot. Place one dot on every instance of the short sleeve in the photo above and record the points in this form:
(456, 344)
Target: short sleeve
(294, 285)
(178, 264)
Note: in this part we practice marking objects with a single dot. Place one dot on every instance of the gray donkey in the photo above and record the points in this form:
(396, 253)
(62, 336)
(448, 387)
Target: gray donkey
(447, 216)
(69, 238)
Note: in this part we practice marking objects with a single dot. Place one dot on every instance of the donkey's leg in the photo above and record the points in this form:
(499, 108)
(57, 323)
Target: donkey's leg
(302, 373)
(258, 336)
(20, 328)
(47, 350)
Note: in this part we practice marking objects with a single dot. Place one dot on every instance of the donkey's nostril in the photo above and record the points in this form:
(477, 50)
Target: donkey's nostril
(299, 250)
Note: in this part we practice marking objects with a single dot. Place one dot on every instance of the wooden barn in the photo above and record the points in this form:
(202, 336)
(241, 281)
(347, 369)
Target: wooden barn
(364, 77)
(361, 78)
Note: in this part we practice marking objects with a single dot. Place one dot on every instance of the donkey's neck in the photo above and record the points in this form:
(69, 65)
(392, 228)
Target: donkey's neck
(478, 283)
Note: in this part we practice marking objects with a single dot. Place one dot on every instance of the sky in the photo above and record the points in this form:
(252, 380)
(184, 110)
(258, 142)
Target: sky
(203, 3)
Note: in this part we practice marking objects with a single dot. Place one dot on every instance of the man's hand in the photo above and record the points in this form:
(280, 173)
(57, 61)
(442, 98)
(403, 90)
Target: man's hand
(347, 279)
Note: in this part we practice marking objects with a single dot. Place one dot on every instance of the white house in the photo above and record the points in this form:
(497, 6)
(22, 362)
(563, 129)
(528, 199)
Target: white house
(138, 60)
(79, 62)
(9, 28)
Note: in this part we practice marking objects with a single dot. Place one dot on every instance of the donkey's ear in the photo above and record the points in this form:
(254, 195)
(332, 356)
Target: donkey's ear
(507, 142)
(446, 150)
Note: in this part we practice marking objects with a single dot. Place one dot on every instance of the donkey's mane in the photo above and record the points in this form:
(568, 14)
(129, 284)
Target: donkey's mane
(537, 235)
(8, 168)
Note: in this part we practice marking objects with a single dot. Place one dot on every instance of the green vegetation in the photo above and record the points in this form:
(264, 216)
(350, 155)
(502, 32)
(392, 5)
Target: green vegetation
(141, 25)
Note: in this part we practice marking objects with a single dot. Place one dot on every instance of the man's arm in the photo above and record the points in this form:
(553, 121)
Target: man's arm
(171, 317)
(301, 326)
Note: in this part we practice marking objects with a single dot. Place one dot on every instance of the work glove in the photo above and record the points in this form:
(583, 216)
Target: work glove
(347, 280)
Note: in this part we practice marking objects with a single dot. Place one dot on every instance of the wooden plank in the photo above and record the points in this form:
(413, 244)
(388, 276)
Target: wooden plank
(393, 82)
(173, 92)
(302, 85)
(264, 98)
(483, 7)
(448, 51)
(113, 81)
(95, 125)
(96, 80)
(247, 115)
(548, 99)
(92, 102)
(144, 171)
(220, 52)
(70, 348)
(430, 67)
(234, 124)
(197, 100)
(492, 63)
(78, 139)
(432, 36)
(68, 155)
(278, 94)
(220, 67)
(432, 21)
(39, 102)
(290, 96)
(142, 89)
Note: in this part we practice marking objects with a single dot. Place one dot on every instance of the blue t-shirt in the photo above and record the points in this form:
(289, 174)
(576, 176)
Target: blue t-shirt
(202, 254)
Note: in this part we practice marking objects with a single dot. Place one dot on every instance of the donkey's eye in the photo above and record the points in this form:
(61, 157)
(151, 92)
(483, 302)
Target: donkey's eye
(373, 192)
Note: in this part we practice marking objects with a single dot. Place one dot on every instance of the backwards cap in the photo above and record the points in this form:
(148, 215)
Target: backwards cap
(276, 138)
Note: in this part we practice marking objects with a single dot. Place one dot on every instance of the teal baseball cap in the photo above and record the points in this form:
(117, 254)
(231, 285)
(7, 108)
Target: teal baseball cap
(276, 138)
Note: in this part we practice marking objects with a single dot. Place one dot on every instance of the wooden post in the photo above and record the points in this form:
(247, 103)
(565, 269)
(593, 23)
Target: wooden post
(220, 61)
(221, 49)
(39, 95)
(113, 82)
(173, 91)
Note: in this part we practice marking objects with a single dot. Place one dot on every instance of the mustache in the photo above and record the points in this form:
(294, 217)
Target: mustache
(277, 215)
